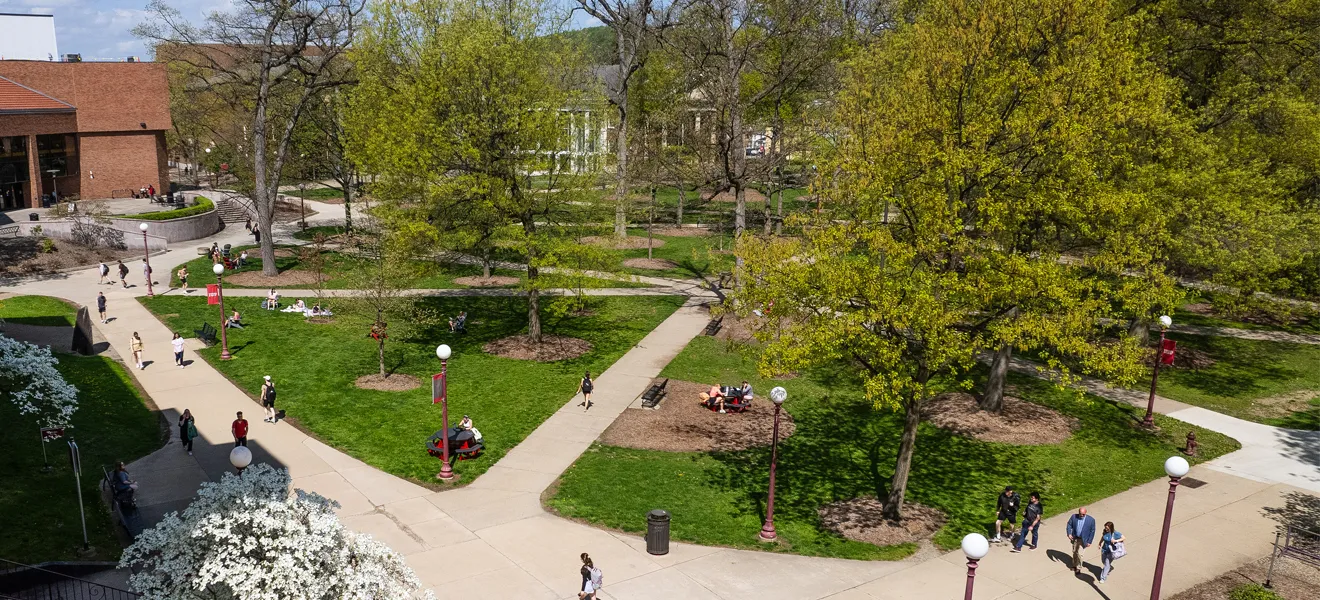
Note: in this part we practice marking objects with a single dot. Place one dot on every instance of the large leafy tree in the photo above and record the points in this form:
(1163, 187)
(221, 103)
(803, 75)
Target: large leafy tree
(29, 378)
(459, 114)
(1000, 167)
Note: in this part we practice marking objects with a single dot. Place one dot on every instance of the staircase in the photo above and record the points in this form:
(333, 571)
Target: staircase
(57, 580)
(233, 211)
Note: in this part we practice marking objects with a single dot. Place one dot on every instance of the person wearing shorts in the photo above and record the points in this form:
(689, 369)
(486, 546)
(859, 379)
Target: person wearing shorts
(100, 305)
(585, 387)
(1009, 501)
(183, 279)
(268, 399)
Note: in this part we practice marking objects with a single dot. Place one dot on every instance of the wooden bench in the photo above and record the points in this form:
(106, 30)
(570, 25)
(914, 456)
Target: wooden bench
(206, 334)
(713, 327)
(651, 398)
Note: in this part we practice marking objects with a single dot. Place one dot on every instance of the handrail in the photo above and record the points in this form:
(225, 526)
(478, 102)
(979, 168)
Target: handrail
(44, 584)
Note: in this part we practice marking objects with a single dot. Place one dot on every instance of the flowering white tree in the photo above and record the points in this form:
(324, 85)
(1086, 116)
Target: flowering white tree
(29, 379)
(247, 537)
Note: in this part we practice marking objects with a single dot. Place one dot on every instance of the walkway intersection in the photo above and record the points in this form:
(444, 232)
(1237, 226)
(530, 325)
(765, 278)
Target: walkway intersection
(493, 539)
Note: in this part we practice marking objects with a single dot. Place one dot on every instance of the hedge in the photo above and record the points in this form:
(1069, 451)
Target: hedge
(203, 205)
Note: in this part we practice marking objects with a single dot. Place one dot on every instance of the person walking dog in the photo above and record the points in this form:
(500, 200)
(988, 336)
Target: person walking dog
(1112, 548)
(1081, 532)
(187, 430)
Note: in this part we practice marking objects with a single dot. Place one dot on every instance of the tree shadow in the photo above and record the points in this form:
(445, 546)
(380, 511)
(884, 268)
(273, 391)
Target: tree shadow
(1299, 510)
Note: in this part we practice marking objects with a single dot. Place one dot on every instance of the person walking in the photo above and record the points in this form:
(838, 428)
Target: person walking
(240, 430)
(136, 346)
(1112, 548)
(146, 270)
(123, 274)
(585, 386)
(183, 279)
(268, 399)
(177, 342)
(187, 430)
(104, 270)
(100, 306)
(1007, 508)
(1081, 532)
(1030, 523)
(592, 579)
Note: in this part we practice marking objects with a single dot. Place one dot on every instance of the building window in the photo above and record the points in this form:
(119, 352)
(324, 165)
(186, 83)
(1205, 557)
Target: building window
(58, 153)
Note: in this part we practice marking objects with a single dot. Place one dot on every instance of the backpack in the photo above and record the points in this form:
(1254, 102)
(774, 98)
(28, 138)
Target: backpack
(597, 578)
(270, 394)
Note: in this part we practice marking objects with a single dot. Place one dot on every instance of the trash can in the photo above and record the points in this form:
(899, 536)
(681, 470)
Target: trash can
(33, 216)
(657, 532)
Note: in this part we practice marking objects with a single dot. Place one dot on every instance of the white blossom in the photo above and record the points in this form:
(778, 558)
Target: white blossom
(29, 379)
(247, 537)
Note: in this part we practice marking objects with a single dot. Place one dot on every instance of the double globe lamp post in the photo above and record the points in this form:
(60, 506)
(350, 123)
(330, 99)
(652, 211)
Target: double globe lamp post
(777, 395)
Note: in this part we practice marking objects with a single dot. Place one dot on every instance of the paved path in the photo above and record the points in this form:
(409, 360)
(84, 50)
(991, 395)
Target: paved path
(1264, 335)
(492, 539)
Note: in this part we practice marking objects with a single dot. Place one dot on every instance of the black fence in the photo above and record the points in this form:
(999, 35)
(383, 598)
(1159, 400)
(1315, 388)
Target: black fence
(56, 582)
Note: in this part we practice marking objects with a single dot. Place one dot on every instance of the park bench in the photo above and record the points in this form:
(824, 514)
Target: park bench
(206, 334)
(713, 327)
(9, 231)
(651, 398)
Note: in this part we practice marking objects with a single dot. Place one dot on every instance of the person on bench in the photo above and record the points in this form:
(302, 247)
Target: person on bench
(713, 398)
(235, 321)
(746, 391)
(272, 300)
(458, 324)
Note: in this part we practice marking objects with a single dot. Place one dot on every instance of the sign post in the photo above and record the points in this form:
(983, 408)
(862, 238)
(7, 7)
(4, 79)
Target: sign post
(75, 458)
(48, 434)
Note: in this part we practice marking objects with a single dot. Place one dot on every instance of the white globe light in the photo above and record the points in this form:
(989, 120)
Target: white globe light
(975, 546)
(218, 269)
(443, 352)
(208, 150)
(1166, 321)
(240, 457)
(1176, 466)
(778, 395)
(143, 227)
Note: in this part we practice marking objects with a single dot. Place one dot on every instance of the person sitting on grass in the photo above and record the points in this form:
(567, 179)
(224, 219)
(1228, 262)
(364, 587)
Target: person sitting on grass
(378, 330)
(242, 258)
(458, 324)
(298, 306)
(235, 321)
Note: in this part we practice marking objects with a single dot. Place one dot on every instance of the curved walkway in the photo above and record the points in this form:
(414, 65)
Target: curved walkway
(492, 539)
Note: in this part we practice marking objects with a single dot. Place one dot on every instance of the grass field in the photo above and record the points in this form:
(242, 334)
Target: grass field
(38, 310)
(1309, 323)
(708, 254)
(844, 448)
(111, 424)
(315, 366)
(1254, 380)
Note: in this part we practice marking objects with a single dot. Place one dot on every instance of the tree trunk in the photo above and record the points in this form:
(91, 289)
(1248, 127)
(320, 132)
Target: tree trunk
(485, 263)
(1140, 329)
(682, 198)
(348, 206)
(533, 308)
(380, 351)
(992, 400)
(621, 173)
(903, 465)
(779, 210)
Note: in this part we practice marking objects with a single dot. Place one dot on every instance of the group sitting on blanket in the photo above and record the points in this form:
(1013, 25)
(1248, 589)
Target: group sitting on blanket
(301, 307)
(727, 396)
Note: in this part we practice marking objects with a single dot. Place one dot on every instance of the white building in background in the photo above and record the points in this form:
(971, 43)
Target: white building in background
(27, 37)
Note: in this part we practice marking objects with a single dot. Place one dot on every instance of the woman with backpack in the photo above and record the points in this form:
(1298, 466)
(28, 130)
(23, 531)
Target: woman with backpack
(187, 430)
(1111, 549)
(268, 399)
(585, 387)
(592, 579)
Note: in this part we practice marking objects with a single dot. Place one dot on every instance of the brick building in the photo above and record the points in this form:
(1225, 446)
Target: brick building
(96, 129)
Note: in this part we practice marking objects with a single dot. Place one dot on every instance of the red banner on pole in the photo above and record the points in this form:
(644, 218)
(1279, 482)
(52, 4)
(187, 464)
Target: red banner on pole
(1166, 353)
(51, 433)
(212, 293)
(437, 388)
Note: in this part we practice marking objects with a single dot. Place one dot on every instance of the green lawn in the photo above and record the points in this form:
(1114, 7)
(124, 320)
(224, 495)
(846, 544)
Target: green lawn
(844, 448)
(709, 254)
(38, 310)
(315, 366)
(310, 233)
(431, 276)
(1308, 324)
(111, 424)
(1244, 373)
(316, 193)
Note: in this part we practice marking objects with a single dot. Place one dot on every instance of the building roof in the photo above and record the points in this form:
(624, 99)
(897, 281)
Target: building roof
(19, 99)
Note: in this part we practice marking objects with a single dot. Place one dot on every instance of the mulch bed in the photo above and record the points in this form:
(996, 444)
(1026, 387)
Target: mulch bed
(750, 195)
(681, 424)
(23, 256)
(862, 520)
(492, 281)
(284, 279)
(683, 232)
(1292, 580)
(658, 264)
(551, 348)
(1020, 423)
(632, 242)
(398, 382)
(1255, 317)
(1283, 405)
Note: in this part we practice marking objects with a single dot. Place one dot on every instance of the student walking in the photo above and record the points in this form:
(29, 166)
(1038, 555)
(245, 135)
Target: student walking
(104, 271)
(187, 430)
(1007, 506)
(100, 306)
(592, 579)
(1030, 523)
(1081, 532)
(136, 346)
(1112, 548)
(183, 279)
(123, 274)
(585, 387)
(268, 399)
(146, 271)
(177, 342)
(240, 430)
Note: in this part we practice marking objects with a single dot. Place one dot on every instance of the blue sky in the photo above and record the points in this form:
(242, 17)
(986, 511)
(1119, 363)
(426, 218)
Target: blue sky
(103, 28)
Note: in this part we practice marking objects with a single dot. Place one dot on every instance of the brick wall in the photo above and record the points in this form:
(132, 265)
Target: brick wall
(126, 161)
(108, 96)
(22, 125)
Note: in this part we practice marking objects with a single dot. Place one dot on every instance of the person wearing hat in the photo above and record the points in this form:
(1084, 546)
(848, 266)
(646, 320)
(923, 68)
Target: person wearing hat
(1009, 501)
(268, 399)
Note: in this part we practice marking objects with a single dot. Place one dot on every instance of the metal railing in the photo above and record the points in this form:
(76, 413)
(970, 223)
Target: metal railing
(25, 582)
(1295, 543)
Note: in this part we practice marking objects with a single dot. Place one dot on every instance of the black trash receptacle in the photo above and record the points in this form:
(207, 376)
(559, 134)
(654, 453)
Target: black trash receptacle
(33, 216)
(657, 532)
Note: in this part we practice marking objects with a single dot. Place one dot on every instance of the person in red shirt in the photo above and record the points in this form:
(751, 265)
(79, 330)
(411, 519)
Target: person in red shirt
(240, 429)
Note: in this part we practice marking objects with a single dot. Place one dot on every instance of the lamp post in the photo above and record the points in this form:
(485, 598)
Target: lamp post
(777, 395)
(219, 270)
(302, 202)
(146, 259)
(975, 546)
(1175, 468)
(1165, 323)
(240, 457)
(443, 352)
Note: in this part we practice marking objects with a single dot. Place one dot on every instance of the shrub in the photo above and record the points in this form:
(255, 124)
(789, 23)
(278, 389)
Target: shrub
(47, 245)
(1253, 591)
(204, 205)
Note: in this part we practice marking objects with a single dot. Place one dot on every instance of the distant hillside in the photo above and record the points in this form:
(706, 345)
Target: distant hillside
(597, 43)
